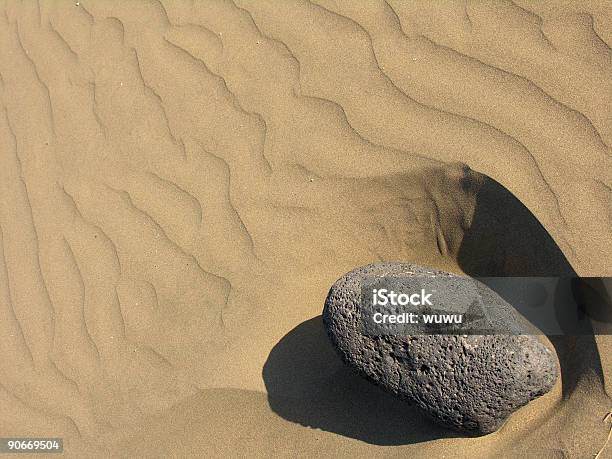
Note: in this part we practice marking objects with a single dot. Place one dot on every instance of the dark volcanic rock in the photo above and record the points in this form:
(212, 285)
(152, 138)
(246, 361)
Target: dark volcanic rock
(471, 383)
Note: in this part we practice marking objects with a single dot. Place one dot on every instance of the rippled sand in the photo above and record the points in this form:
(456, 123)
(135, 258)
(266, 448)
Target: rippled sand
(181, 182)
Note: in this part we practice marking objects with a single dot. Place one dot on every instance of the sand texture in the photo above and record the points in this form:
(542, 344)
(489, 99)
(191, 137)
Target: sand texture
(182, 181)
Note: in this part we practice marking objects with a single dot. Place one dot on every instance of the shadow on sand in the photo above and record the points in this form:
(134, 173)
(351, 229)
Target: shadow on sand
(307, 382)
(506, 239)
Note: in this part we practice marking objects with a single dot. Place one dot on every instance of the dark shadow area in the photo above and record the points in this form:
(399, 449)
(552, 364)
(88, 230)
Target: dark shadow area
(506, 239)
(308, 383)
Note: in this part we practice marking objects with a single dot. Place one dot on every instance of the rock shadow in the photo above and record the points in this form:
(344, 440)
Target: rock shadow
(308, 383)
(506, 239)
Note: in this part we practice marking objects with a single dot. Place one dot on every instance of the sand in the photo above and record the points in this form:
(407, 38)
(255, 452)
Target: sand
(182, 182)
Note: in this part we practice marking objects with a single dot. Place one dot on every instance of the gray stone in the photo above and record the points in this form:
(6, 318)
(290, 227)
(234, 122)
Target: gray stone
(470, 383)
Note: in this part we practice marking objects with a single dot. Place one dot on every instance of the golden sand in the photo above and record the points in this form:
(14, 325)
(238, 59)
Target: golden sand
(182, 181)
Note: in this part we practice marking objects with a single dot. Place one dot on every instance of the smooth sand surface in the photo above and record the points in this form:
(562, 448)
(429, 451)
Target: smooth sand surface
(182, 182)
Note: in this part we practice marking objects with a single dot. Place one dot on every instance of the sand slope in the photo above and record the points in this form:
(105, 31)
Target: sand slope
(181, 182)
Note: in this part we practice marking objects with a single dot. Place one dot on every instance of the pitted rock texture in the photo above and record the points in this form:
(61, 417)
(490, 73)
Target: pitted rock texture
(468, 383)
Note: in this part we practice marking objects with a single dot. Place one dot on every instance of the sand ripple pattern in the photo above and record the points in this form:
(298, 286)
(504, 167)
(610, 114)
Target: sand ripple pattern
(165, 165)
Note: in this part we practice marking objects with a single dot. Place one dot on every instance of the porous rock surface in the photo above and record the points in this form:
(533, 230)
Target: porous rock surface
(470, 383)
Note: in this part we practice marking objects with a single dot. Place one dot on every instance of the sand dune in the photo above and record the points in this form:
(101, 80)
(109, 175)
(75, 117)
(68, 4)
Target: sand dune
(181, 182)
